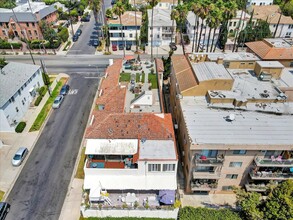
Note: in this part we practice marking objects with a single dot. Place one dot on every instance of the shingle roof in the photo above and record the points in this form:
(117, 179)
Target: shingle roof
(266, 51)
(184, 73)
(46, 11)
(128, 19)
(12, 77)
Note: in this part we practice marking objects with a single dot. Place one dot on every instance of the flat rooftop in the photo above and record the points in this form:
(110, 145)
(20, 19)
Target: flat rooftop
(239, 56)
(157, 149)
(208, 125)
(279, 42)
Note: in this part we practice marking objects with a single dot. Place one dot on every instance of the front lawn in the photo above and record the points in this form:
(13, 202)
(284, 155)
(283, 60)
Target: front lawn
(1, 195)
(125, 77)
(153, 80)
(47, 107)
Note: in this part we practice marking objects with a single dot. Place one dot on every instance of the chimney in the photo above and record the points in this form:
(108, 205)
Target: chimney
(220, 60)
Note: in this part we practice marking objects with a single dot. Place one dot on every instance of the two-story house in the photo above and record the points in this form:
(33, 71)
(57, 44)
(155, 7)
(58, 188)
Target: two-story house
(18, 87)
(131, 22)
(23, 21)
(271, 14)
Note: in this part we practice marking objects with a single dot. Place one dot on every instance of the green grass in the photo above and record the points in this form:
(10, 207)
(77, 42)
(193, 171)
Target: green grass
(47, 107)
(123, 218)
(153, 80)
(1, 195)
(125, 77)
(79, 172)
(137, 77)
(143, 77)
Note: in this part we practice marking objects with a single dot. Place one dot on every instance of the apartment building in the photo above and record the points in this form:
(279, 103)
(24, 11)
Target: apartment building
(271, 14)
(233, 126)
(163, 27)
(233, 25)
(259, 2)
(24, 22)
(273, 49)
(18, 87)
(167, 4)
(131, 158)
(130, 27)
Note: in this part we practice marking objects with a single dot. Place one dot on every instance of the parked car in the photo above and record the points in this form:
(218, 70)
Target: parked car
(4, 209)
(128, 47)
(19, 156)
(114, 47)
(127, 66)
(57, 102)
(113, 2)
(173, 46)
(96, 43)
(64, 90)
(121, 47)
(78, 32)
(86, 18)
(74, 38)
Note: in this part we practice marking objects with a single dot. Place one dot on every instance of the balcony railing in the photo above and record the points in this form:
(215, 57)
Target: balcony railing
(102, 164)
(206, 175)
(256, 187)
(270, 175)
(203, 187)
(209, 162)
(273, 162)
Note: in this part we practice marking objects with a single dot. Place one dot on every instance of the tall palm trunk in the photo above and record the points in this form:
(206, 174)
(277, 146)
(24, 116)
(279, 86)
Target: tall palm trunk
(122, 36)
(238, 30)
(201, 27)
(172, 31)
(181, 36)
(136, 38)
(208, 43)
(194, 30)
(204, 37)
(211, 49)
(152, 34)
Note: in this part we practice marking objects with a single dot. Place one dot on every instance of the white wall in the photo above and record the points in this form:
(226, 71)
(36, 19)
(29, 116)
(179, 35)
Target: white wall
(160, 35)
(130, 213)
(284, 30)
(4, 125)
(146, 99)
(259, 2)
(15, 110)
(140, 179)
(165, 5)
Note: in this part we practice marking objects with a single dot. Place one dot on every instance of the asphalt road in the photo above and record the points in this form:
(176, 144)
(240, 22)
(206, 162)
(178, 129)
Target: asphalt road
(41, 187)
(84, 43)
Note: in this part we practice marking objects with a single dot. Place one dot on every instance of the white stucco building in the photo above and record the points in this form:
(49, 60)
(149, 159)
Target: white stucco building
(166, 4)
(129, 27)
(18, 85)
(259, 2)
(162, 27)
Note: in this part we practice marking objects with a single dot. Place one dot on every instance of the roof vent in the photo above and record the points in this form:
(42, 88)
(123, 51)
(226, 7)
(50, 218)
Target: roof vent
(230, 118)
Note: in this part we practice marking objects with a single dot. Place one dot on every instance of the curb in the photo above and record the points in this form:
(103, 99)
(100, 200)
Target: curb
(32, 148)
(80, 150)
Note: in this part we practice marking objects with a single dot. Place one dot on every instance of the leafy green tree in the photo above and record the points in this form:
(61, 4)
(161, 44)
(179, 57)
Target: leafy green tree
(2, 62)
(46, 79)
(7, 3)
(287, 8)
(48, 33)
(144, 28)
(119, 10)
(109, 13)
(63, 34)
(152, 3)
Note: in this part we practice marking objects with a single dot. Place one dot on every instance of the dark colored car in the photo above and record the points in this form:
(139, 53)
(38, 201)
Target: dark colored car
(96, 43)
(128, 47)
(78, 32)
(121, 47)
(4, 209)
(114, 47)
(113, 2)
(64, 90)
(74, 38)
(86, 18)
(173, 46)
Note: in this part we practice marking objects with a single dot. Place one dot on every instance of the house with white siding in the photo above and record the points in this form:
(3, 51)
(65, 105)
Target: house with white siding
(18, 87)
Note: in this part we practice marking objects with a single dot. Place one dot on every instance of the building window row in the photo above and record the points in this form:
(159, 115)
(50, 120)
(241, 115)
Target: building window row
(157, 167)
(235, 164)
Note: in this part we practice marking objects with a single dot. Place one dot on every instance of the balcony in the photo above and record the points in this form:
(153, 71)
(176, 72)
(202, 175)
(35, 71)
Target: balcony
(106, 164)
(270, 175)
(256, 187)
(209, 162)
(203, 187)
(273, 162)
(206, 175)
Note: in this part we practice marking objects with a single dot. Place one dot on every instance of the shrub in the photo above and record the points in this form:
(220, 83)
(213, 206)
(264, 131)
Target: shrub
(42, 91)
(107, 53)
(63, 34)
(20, 127)
(38, 100)
(7, 45)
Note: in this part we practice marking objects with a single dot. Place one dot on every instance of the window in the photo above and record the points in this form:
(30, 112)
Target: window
(12, 99)
(291, 64)
(235, 164)
(33, 24)
(22, 102)
(239, 151)
(290, 26)
(230, 24)
(209, 153)
(27, 24)
(19, 92)
(113, 157)
(227, 188)
(4, 32)
(154, 167)
(288, 34)
(234, 23)
(231, 176)
(130, 35)
(168, 167)
(16, 109)
(158, 36)
(30, 32)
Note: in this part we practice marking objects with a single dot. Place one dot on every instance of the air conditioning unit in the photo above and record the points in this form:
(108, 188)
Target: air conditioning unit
(265, 76)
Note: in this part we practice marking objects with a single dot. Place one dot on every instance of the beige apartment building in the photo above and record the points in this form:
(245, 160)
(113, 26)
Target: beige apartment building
(233, 127)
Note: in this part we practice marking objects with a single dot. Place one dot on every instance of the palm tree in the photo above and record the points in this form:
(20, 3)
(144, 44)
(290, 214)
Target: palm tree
(152, 3)
(211, 22)
(95, 5)
(172, 30)
(203, 12)
(119, 10)
(195, 8)
(136, 38)
(216, 24)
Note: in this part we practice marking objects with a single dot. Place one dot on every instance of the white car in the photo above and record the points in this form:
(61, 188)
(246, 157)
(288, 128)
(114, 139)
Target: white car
(19, 156)
(58, 100)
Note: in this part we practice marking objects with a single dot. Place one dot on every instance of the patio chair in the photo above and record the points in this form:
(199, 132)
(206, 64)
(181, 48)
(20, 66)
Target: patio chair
(273, 158)
(279, 158)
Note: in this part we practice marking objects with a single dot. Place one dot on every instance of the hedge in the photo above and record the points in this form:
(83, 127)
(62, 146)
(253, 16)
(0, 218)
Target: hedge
(20, 127)
(42, 91)
(188, 213)
(7, 45)
(39, 99)
(36, 44)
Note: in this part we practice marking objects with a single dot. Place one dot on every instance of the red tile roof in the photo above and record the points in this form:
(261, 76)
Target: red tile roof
(267, 51)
